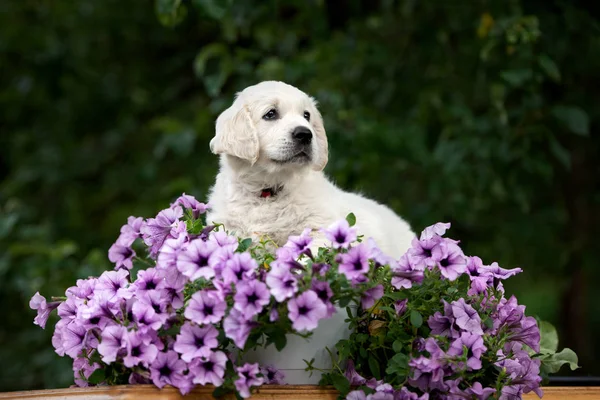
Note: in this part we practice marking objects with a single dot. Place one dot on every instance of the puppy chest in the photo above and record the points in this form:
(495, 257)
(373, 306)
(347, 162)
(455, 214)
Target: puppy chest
(278, 221)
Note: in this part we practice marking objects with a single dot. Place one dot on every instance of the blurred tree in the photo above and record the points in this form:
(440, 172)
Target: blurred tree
(479, 113)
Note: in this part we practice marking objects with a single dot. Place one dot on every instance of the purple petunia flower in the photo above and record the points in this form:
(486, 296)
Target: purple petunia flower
(438, 229)
(356, 395)
(273, 315)
(248, 378)
(82, 369)
(400, 306)
(324, 292)
(113, 343)
(251, 297)
(141, 349)
(352, 375)
(190, 202)
(479, 391)
(527, 333)
(193, 262)
(306, 310)
(480, 278)
(523, 371)
(241, 266)
(282, 282)
(272, 375)
(340, 234)
(147, 280)
(426, 373)
(466, 317)
(377, 255)
(145, 315)
(83, 289)
(475, 348)
(156, 230)
(75, 338)
(209, 370)
(167, 369)
(168, 253)
(237, 328)
(452, 262)
(355, 263)
(421, 253)
(501, 273)
(194, 341)
(111, 281)
(121, 255)
(43, 308)
(299, 244)
(173, 286)
(205, 307)
(404, 273)
(131, 231)
(370, 296)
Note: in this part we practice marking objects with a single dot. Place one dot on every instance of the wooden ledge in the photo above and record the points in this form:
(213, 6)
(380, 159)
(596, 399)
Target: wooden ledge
(267, 392)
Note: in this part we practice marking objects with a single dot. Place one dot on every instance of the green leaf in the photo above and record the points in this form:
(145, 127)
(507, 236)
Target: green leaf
(397, 346)
(517, 77)
(215, 9)
(341, 383)
(398, 364)
(170, 12)
(351, 218)
(551, 363)
(213, 65)
(97, 376)
(374, 366)
(416, 319)
(244, 245)
(278, 338)
(344, 301)
(560, 153)
(574, 119)
(549, 67)
(549, 337)
(489, 323)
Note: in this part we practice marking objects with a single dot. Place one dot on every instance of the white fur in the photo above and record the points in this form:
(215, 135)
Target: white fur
(253, 153)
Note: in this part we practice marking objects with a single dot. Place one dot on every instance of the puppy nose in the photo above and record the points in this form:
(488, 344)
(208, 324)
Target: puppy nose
(302, 134)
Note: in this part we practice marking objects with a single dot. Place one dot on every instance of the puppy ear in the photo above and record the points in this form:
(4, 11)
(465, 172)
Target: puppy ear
(235, 133)
(322, 156)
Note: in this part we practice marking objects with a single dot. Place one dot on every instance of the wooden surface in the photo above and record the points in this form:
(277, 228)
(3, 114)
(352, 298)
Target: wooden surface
(287, 392)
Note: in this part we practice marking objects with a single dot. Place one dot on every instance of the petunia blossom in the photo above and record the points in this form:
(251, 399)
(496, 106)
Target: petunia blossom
(210, 369)
(43, 308)
(248, 378)
(306, 310)
(205, 307)
(340, 234)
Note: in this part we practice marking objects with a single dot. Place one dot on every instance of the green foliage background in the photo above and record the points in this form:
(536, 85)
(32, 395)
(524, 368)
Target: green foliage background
(482, 113)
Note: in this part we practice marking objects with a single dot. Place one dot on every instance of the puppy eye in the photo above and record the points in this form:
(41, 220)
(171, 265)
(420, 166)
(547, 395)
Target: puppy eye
(307, 115)
(271, 114)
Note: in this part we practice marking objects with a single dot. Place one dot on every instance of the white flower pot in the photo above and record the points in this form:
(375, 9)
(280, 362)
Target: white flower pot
(290, 359)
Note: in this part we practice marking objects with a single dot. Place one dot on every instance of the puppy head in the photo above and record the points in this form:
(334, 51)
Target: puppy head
(274, 125)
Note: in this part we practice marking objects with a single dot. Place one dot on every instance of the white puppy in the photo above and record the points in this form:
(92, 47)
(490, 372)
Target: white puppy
(273, 148)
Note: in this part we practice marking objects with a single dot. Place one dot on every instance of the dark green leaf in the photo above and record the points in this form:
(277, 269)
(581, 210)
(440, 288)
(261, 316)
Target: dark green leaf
(551, 363)
(397, 346)
(351, 218)
(574, 118)
(170, 12)
(416, 319)
(374, 366)
(97, 376)
(549, 67)
(341, 383)
(244, 245)
(344, 301)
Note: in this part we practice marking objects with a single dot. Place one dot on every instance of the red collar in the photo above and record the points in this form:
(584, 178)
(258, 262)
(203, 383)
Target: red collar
(270, 192)
(267, 192)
